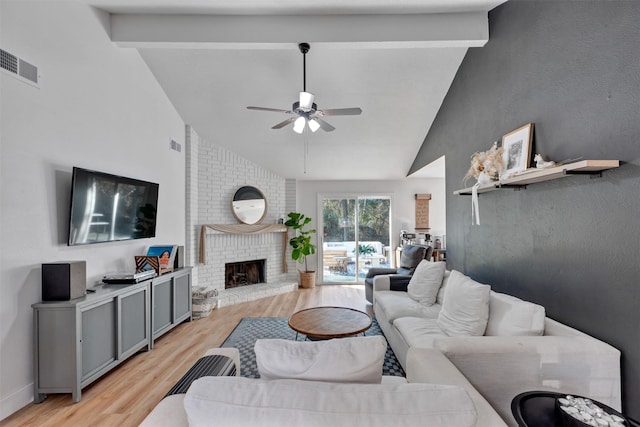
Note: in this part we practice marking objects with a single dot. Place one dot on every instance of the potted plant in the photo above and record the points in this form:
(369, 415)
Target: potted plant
(302, 247)
(365, 249)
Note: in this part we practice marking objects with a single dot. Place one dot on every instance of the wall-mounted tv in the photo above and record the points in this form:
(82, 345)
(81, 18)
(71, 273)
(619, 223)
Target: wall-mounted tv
(106, 208)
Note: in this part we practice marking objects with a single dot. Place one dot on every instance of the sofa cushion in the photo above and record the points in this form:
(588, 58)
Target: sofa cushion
(419, 331)
(252, 402)
(465, 310)
(396, 304)
(443, 287)
(348, 360)
(426, 281)
(511, 316)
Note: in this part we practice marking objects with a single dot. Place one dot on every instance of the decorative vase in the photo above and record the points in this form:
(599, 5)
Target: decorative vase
(307, 279)
(484, 178)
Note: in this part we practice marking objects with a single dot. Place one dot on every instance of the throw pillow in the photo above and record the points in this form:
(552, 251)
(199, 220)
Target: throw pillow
(425, 282)
(443, 287)
(346, 360)
(249, 402)
(465, 309)
(511, 316)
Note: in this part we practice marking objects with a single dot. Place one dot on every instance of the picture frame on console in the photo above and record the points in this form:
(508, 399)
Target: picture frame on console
(516, 150)
(166, 255)
(146, 263)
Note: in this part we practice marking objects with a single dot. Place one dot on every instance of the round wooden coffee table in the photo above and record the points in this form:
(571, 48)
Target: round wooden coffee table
(329, 322)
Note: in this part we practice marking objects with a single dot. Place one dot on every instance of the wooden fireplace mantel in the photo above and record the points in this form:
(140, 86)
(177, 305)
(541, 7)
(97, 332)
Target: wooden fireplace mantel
(244, 229)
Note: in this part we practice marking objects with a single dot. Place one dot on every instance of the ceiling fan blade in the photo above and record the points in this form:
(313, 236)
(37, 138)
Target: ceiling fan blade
(341, 112)
(275, 110)
(284, 123)
(323, 125)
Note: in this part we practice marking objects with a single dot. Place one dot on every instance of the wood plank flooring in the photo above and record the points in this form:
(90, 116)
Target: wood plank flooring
(127, 394)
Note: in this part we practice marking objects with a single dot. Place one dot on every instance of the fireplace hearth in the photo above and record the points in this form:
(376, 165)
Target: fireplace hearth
(244, 273)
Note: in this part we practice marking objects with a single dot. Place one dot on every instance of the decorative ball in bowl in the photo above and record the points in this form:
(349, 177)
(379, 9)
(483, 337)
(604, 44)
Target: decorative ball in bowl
(576, 411)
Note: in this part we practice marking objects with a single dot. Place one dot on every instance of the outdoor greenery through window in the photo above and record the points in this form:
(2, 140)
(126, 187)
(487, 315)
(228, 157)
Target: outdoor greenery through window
(356, 236)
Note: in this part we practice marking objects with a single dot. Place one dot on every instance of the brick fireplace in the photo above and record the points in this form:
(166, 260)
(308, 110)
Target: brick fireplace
(244, 273)
(214, 174)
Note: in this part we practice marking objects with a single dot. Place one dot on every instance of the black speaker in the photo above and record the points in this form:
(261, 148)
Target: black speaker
(62, 281)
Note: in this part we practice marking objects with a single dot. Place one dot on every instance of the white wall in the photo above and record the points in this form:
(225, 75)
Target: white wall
(403, 200)
(99, 107)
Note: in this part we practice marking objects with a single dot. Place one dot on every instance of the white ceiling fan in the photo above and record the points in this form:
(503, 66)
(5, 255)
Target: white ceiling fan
(304, 111)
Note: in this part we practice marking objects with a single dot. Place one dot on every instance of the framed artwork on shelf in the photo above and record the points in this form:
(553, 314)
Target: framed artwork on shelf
(146, 263)
(166, 254)
(516, 150)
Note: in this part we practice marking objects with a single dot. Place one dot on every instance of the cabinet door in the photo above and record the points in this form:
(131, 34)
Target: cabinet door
(162, 295)
(56, 357)
(98, 337)
(134, 327)
(182, 286)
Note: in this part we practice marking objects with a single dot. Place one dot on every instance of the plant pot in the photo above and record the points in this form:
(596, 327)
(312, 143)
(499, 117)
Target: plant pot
(307, 279)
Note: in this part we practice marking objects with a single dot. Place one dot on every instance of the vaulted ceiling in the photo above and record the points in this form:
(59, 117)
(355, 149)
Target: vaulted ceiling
(393, 59)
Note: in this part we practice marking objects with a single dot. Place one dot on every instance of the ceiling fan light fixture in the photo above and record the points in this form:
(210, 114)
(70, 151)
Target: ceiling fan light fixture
(306, 100)
(298, 125)
(305, 110)
(314, 125)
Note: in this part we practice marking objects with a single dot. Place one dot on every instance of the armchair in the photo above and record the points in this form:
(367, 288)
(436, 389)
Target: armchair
(399, 277)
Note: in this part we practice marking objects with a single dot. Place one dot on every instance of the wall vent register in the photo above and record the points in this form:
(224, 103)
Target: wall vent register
(18, 67)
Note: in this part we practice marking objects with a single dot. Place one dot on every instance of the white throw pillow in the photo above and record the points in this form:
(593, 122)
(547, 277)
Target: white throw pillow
(465, 309)
(425, 282)
(511, 316)
(443, 287)
(248, 402)
(347, 360)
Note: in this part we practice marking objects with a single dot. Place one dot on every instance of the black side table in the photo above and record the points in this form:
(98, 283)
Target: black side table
(537, 409)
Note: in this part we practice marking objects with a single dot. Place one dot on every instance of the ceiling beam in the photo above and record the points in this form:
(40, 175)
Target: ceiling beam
(278, 31)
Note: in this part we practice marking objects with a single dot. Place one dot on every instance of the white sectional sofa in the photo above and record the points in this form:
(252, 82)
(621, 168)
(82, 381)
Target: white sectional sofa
(502, 345)
(434, 394)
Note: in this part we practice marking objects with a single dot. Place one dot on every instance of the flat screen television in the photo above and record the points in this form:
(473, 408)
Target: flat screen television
(107, 208)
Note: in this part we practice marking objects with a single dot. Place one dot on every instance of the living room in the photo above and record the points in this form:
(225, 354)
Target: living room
(570, 245)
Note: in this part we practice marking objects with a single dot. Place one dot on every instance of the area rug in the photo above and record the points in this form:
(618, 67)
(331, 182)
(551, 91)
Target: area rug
(250, 329)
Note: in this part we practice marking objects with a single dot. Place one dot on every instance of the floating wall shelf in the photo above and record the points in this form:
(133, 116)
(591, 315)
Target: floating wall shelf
(531, 176)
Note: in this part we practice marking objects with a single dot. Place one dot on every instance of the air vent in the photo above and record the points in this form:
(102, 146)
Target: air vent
(18, 67)
(175, 146)
(8, 61)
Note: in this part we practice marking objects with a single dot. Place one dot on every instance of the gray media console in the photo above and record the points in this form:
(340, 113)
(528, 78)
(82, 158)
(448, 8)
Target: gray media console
(78, 341)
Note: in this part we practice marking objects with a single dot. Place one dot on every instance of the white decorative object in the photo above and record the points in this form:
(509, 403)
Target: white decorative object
(487, 162)
(541, 163)
(484, 178)
(475, 207)
(588, 413)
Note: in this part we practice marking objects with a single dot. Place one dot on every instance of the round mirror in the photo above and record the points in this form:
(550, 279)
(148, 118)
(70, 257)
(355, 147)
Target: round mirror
(249, 205)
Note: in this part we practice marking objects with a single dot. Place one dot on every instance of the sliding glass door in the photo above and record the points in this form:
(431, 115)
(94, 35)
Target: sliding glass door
(355, 236)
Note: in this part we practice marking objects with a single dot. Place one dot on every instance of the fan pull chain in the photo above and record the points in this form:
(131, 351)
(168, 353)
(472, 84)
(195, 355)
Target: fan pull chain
(306, 148)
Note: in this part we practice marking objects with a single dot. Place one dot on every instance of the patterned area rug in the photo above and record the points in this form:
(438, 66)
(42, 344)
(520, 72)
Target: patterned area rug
(250, 329)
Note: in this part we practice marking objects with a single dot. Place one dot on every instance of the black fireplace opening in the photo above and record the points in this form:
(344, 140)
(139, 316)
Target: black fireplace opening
(244, 273)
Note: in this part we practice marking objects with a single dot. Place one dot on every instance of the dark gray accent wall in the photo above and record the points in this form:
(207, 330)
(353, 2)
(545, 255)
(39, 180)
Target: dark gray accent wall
(573, 244)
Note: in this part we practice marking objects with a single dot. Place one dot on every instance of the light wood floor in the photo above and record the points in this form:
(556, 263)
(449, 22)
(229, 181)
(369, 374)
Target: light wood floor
(127, 394)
